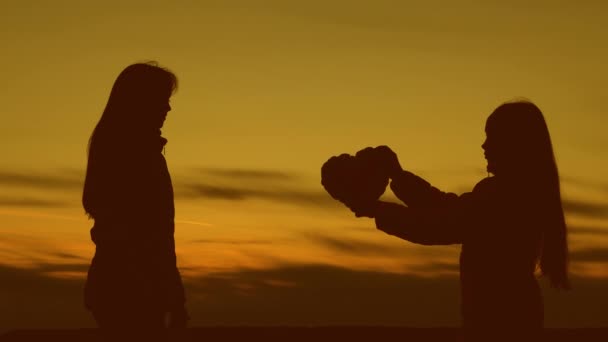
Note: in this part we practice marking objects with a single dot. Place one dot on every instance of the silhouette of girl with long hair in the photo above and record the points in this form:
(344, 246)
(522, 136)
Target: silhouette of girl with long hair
(510, 223)
(133, 281)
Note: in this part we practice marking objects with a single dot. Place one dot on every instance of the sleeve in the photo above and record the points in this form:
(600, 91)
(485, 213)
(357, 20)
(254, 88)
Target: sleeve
(443, 225)
(416, 192)
(432, 217)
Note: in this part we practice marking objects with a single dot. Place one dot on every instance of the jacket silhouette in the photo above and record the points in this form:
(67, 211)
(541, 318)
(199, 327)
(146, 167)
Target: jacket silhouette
(500, 236)
(133, 281)
(135, 259)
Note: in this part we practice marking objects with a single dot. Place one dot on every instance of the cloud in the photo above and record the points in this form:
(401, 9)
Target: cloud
(259, 184)
(71, 267)
(590, 255)
(275, 194)
(356, 247)
(587, 230)
(437, 267)
(30, 202)
(249, 174)
(585, 183)
(242, 184)
(584, 208)
(404, 251)
(287, 194)
(64, 255)
(270, 185)
(40, 180)
(237, 242)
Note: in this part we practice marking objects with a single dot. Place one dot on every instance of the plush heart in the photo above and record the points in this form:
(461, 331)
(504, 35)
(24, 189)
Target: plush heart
(353, 179)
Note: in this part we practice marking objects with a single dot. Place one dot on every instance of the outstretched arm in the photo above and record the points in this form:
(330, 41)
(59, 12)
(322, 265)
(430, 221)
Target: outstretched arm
(432, 217)
(433, 226)
(416, 192)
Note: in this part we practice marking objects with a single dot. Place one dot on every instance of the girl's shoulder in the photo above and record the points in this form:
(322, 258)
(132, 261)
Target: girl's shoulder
(488, 184)
(494, 189)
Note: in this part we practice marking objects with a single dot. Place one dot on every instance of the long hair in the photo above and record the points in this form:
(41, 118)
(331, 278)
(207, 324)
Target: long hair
(125, 118)
(524, 129)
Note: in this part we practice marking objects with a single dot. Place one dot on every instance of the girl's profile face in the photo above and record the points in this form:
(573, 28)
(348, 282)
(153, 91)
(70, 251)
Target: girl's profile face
(497, 151)
(489, 152)
(157, 110)
(161, 114)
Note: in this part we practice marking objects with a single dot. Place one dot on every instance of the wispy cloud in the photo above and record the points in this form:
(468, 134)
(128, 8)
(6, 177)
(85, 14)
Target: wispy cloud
(585, 208)
(587, 230)
(194, 223)
(64, 255)
(237, 241)
(585, 183)
(292, 193)
(242, 184)
(402, 249)
(40, 180)
(69, 267)
(30, 202)
(248, 174)
(237, 184)
(355, 247)
(590, 255)
(21, 213)
(437, 267)
(269, 193)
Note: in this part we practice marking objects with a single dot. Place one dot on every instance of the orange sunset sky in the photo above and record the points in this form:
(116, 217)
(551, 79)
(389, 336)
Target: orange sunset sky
(269, 90)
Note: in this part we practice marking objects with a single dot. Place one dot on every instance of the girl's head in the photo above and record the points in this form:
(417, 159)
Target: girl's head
(518, 148)
(517, 141)
(139, 100)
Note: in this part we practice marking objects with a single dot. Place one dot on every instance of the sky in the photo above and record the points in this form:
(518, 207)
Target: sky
(268, 91)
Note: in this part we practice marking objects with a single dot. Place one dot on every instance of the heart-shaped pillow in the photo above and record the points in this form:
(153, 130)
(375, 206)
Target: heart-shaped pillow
(354, 179)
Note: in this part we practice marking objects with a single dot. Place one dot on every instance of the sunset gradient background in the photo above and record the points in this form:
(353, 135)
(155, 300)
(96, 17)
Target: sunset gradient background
(269, 90)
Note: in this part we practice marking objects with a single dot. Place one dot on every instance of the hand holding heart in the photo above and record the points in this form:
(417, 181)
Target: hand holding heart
(358, 181)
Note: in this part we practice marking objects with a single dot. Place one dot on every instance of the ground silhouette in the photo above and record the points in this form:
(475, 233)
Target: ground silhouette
(329, 333)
